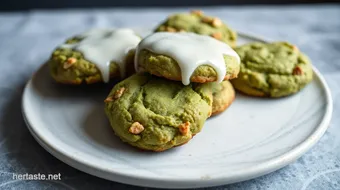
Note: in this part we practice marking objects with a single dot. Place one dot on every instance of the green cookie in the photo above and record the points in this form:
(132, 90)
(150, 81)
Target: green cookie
(272, 69)
(167, 67)
(198, 23)
(69, 66)
(156, 114)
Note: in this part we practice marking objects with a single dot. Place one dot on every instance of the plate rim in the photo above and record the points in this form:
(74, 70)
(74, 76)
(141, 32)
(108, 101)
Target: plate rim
(271, 165)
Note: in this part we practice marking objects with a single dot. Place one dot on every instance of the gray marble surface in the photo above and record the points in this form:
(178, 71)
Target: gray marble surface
(27, 39)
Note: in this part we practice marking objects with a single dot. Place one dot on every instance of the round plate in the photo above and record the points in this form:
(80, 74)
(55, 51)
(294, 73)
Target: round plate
(253, 137)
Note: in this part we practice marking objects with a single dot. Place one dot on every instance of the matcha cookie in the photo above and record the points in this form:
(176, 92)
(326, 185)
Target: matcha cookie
(272, 69)
(156, 114)
(94, 56)
(223, 96)
(186, 57)
(199, 23)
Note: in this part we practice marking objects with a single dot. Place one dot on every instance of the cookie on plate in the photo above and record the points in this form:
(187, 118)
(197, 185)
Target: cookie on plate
(272, 69)
(223, 96)
(186, 57)
(94, 56)
(156, 114)
(197, 22)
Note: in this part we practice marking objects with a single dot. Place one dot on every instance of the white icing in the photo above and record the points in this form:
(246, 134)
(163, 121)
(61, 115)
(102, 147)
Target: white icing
(189, 50)
(101, 46)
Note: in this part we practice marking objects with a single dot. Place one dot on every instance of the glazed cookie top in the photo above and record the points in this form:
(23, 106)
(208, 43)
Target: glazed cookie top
(153, 111)
(280, 58)
(189, 50)
(103, 46)
(199, 23)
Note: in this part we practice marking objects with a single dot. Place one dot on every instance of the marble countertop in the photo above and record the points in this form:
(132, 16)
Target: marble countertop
(27, 39)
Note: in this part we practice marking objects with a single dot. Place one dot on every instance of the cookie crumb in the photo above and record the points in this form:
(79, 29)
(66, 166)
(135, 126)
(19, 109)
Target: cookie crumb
(216, 22)
(209, 114)
(217, 35)
(108, 99)
(297, 71)
(184, 128)
(69, 62)
(207, 20)
(295, 48)
(119, 93)
(136, 128)
(197, 12)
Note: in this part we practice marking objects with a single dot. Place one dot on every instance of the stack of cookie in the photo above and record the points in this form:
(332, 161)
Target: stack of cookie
(183, 72)
(174, 92)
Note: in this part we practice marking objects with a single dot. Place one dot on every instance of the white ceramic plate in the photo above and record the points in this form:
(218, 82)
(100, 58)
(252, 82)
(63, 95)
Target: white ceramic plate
(253, 137)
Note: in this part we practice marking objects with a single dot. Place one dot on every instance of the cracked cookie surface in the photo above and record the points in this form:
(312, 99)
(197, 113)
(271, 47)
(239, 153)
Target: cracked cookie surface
(156, 114)
(272, 69)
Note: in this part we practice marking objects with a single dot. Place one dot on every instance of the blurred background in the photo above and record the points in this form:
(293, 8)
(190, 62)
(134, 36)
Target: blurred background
(8, 5)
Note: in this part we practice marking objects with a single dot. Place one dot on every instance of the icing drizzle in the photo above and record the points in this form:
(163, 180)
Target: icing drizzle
(189, 50)
(101, 46)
